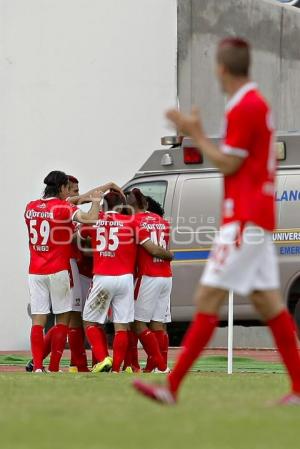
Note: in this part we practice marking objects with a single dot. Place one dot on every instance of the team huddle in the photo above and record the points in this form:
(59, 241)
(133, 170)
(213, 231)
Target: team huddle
(108, 264)
(128, 239)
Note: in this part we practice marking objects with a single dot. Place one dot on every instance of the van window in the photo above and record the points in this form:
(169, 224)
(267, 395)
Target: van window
(199, 206)
(156, 189)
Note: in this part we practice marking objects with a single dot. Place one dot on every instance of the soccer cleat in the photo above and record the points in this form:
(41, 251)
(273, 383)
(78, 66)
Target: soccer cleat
(29, 367)
(73, 369)
(158, 393)
(128, 370)
(103, 366)
(157, 371)
(147, 371)
(39, 370)
(290, 399)
(83, 369)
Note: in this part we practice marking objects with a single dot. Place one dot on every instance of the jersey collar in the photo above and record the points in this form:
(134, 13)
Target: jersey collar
(111, 212)
(50, 198)
(239, 95)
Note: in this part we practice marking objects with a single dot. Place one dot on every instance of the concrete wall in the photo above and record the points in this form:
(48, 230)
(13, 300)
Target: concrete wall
(273, 30)
(83, 88)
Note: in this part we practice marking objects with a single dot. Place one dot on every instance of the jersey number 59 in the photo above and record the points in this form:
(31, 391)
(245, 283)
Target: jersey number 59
(43, 231)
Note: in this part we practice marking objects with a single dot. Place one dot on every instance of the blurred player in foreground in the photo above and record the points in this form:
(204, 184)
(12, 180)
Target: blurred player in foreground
(243, 257)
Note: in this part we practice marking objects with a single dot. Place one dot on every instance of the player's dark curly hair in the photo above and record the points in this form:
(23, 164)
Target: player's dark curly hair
(139, 199)
(154, 206)
(54, 182)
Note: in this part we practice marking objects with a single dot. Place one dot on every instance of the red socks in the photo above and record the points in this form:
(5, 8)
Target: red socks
(120, 346)
(47, 342)
(59, 339)
(151, 347)
(37, 346)
(94, 360)
(132, 358)
(195, 340)
(76, 343)
(163, 343)
(97, 340)
(284, 333)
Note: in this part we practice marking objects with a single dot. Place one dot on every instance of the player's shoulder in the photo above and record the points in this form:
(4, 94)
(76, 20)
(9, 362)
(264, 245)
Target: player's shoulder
(165, 221)
(252, 102)
(152, 217)
(32, 203)
(38, 203)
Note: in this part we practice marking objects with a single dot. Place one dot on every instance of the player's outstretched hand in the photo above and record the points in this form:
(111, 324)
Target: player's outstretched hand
(96, 195)
(187, 124)
(111, 186)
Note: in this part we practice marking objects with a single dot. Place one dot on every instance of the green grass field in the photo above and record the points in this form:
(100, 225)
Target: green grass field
(102, 411)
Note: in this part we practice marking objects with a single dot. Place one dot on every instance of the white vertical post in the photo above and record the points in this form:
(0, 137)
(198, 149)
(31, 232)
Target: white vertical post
(230, 333)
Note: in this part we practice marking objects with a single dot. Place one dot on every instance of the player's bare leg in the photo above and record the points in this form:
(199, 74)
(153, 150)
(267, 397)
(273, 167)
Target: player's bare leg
(98, 343)
(76, 339)
(150, 345)
(208, 301)
(58, 340)
(270, 306)
(120, 345)
(37, 341)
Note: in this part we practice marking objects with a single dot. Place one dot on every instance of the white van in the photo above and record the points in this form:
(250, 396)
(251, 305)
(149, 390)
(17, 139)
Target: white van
(189, 189)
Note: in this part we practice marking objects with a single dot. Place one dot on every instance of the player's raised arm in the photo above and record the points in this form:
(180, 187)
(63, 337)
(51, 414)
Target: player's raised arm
(86, 197)
(157, 251)
(92, 215)
(191, 125)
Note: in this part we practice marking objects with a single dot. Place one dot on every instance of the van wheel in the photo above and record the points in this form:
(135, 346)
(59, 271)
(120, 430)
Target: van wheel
(294, 309)
(297, 317)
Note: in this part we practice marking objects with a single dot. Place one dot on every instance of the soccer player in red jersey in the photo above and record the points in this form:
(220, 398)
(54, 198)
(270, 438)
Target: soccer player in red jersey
(153, 283)
(113, 240)
(160, 328)
(76, 336)
(243, 257)
(50, 228)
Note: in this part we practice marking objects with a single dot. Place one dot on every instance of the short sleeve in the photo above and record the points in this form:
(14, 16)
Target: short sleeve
(239, 132)
(142, 233)
(65, 213)
(85, 231)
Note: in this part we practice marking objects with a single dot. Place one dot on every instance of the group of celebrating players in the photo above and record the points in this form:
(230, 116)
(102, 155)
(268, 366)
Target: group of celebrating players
(110, 263)
(128, 241)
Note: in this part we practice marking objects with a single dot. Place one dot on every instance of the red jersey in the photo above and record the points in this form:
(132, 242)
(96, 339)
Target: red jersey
(113, 244)
(249, 193)
(152, 226)
(85, 264)
(75, 252)
(50, 229)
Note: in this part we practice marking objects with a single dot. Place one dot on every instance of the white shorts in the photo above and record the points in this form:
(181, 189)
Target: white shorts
(110, 291)
(77, 303)
(168, 317)
(86, 285)
(245, 267)
(153, 299)
(50, 290)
